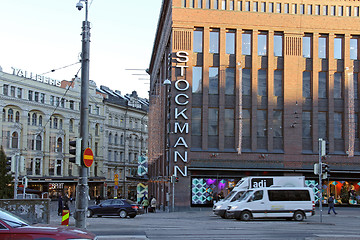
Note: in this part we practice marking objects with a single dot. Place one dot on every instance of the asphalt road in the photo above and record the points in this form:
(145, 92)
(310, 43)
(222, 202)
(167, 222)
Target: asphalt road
(204, 225)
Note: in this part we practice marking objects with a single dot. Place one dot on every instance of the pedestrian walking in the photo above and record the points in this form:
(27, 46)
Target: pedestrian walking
(153, 204)
(60, 205)
(331, 203)
(145, 204)
(97, 200)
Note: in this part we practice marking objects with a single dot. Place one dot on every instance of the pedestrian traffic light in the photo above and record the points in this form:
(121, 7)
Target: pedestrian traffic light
(176, 179)
(10, 166)
(75, 150)
(325, 170)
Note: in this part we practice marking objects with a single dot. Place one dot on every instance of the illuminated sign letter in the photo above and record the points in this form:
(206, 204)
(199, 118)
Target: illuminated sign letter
(182, 113)
(181, 95)
(181, 142)
(182, 56)
(177, 85)
(185, 127)
(184, 159)
(183, 173)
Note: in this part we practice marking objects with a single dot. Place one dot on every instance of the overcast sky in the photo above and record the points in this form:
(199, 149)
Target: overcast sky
(41, 35)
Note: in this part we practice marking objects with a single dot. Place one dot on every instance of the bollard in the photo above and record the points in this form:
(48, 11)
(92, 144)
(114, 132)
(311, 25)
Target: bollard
(65, 217)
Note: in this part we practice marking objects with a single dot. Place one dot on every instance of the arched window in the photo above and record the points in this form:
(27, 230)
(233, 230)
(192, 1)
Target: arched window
(40, 120)
(29, 119)
(122, 140)
(38, 143)
(96, 129)
(59, 145)
(55, 123)
(110, 138)
(116, 139)
(17, 116)
(34, 119)
(61, 124)
(4, 115)
(15, 140)
(10, 115)
(71, 125)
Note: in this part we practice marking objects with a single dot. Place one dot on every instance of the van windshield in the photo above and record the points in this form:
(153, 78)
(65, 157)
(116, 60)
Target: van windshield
(230, 195)
(240, 182)
(245, 195)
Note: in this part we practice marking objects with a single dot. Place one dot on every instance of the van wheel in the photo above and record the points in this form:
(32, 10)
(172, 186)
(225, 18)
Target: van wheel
(246, 216)
(299, 216)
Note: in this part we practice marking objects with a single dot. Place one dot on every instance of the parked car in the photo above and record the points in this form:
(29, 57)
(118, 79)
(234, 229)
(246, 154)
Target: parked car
(14, 228)
(114, 207)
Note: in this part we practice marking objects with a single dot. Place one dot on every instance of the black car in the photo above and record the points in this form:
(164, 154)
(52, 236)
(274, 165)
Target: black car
(114, 207)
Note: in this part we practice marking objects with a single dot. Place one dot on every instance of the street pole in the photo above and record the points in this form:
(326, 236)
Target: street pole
(82, 189)
(16, 180)
(320, 176)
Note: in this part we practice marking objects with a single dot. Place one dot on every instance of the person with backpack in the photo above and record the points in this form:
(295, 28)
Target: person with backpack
(331, 203)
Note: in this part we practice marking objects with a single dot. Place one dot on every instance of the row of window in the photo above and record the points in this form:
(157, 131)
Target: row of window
(271, 7)
(132, 124)
(120, 156)
(40, 97)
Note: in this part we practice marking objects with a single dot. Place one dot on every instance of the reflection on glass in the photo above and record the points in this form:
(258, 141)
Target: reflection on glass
(262, 83)
(306, 85)
(213, 80)
(230, 43)
(197, 80)
(322, 47)
(230, 81)
(306, 124)
(277, 123)
(353, 48)
(214, 42)
(322, 125)
(198, 41)
(338, 48)
(322, 85)
(337, 85)
(355, 77)
(246, 123)
(213, 121)
(338, 126)
(278, 83)
(262, 43)
(196, 121)
(246, 82)
(278, 45)
(246, 44)
(261, 123)
(229, 123)
(307, 47)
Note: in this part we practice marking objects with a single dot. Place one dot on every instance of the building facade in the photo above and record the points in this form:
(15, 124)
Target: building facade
(40, 116)
(253, 86)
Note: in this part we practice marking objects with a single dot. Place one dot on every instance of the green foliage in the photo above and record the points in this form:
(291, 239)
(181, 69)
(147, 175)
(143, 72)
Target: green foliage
(344, 194)
(6, 187)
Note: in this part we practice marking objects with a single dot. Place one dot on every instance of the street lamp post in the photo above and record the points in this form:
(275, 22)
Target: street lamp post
(167, 84)
(82, 189)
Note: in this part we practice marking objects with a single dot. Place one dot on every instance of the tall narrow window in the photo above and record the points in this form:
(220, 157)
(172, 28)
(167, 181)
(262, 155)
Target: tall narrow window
(307, 46)
(246, 123)
(262, 44)
(338, 48)
(192, 3)
(263, 7)
(10, 115)
(216, 4)
(341, 11)
(34, 119)
(17, 116)
(322, 125)
(231, 5)
(317, 9)
(294, 9)
(302, 8)
(197, 80)
(306, 84)
(262, 83)
(278, 83)
(199, 4)
(223, 5)
(309, 9)
(246, 44)
(198, 41)
(338, 126)
(356, 92)
(323, 47)
(230, 81)
(196, 121)
(337, 85)
(38, 143)
(230, 43)
(325, 10)
(6, 89)
(278, 45)
(214, 42)
(261, 123)
(286, 8)
(277, 123)
(271, 7)
(229, 123)
(15, 140)
(255, 7)
(246, 82)
(30, 95)
(207, 4)
(322, 85)
(213, 80)
(213, 122)
(71, 126)
(247, 6)
(353, 48)
(278, 7)
(332, 10)
(306, 124)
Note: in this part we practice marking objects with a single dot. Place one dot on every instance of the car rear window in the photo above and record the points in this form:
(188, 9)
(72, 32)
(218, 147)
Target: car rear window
(289, 195)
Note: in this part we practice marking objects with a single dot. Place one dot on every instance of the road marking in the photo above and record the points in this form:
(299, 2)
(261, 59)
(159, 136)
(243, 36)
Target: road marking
(122, 237)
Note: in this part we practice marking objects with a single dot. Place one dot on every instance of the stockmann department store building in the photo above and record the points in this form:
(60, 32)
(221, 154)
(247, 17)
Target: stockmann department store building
(246, 88)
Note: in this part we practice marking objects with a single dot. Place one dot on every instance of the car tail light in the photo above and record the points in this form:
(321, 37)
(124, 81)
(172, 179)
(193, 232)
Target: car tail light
(134, 207)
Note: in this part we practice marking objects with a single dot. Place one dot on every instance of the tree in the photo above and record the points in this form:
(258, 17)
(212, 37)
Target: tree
(5, 178)
(344, 193)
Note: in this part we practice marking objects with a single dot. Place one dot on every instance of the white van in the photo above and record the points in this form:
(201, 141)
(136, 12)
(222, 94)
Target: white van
(274, 202)
(246, 183)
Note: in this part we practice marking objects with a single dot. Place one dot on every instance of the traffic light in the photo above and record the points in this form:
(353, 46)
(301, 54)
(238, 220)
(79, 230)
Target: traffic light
(10, 167)
(75, 149)
(176, 179)
(325, 170)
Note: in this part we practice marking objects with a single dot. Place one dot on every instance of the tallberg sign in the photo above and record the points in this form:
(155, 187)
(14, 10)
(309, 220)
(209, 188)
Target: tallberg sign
(181, 125)
(36, 77)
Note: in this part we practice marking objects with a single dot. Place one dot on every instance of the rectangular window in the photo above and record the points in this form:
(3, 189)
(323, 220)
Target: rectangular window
(325, 10)
(19, 92)
(246, 82)
(286, 8)
(30, 95)
(302, 8)
(278, 83)
(338, 119)
(261, 123)
(294, 9)
(322, 125)
(216, 4)
(262, 83)
(214, 42)
(36, 99)
(348, 11)
(317, 9)
(322, 47)
(307, 46)
(62, 102)
(199, 4)
(278, 7)
(230, 81)
(246, 44)
(207, 4)
(183, 3)
(332, 10)
(230, 43)
(353, 48)
(247, 6)
(239, 5)
(356, 11)
(57, 101)
(223, 5)
(306, 124)
(6, 89)
(42, 97)
(337, 85)
(198, 41)
(278, 45)
(263, 7)
(277, 123)
(338, 48)
(71, 104)
(322, 85)
(196, 121)
(213, 129)
(213, 80)
(341, 11)
(309, 10)
(307, 84)
(255, 7)
(229, 123)
(52, 99)
(246, 123)
(289, 195)
(197, 80)
(12, 91)
(262, 44)
(355, 78)
(271, 7)
(231, 5)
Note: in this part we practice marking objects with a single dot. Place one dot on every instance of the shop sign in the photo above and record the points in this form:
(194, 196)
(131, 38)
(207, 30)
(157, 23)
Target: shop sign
(54, 186)
(181, 125)
(36, 77)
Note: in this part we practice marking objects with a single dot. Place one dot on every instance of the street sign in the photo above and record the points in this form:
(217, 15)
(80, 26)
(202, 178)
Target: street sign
(88, 157)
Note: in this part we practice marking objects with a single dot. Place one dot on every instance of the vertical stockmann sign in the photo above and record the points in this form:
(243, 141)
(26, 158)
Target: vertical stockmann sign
(181, 125)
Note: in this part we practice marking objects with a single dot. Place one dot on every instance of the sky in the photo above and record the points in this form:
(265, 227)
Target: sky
(41, 35)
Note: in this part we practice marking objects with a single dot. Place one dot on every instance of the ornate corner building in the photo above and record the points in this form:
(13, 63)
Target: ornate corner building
(40, 116)
(253, 86)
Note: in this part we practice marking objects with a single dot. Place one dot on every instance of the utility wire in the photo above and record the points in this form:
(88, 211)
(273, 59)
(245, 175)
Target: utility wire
(53, 70)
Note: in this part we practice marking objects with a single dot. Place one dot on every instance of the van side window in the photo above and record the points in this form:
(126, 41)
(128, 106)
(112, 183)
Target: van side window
(289, 195)
(258, 195)
(237, 196)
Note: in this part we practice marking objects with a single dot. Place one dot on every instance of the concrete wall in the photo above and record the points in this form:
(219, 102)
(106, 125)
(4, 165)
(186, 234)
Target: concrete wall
(32, 210)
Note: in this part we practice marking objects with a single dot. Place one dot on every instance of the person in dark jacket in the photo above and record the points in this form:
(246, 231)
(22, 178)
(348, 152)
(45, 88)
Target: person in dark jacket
(60, 205)
(331, 203)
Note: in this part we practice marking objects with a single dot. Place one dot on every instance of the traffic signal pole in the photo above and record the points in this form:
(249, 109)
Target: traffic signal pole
(82, 189)
(321, 153)
(16, 180)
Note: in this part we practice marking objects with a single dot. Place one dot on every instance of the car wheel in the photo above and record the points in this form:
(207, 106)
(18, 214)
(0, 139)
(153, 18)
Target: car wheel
(90, 213)
(123, 214)
(246, 216)
(299, 216)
